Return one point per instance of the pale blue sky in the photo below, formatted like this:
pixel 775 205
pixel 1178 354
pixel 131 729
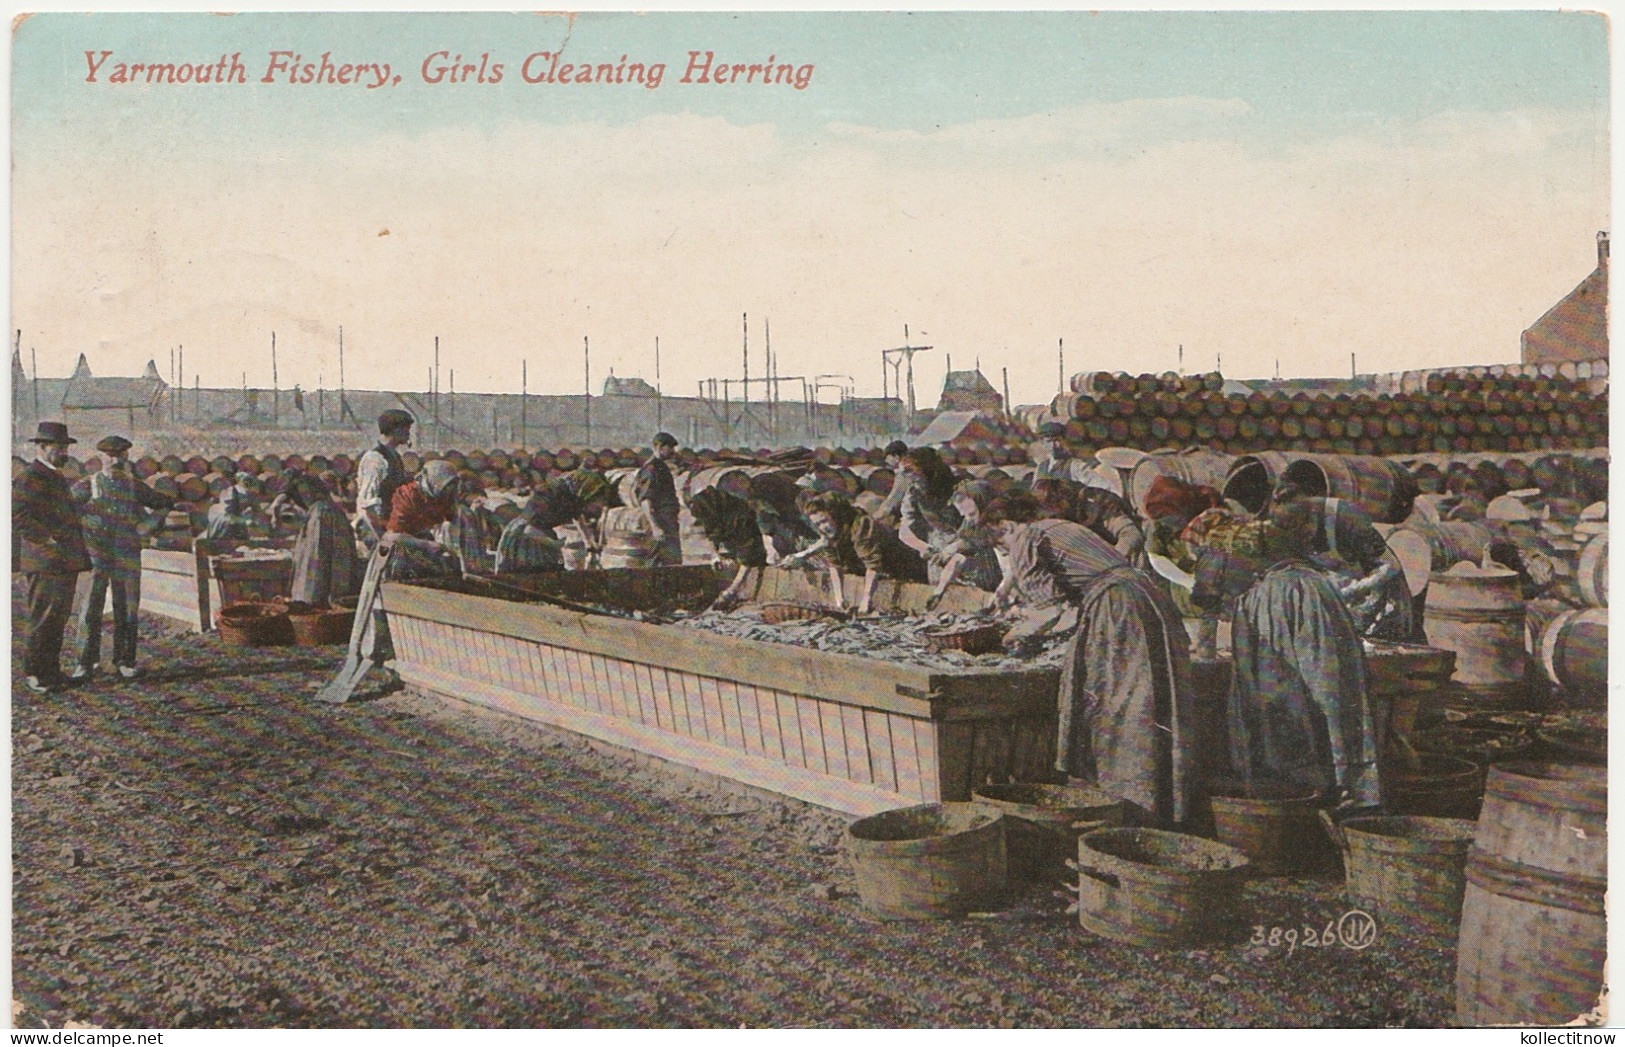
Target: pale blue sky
pixel 1303 75
pixel 1413 187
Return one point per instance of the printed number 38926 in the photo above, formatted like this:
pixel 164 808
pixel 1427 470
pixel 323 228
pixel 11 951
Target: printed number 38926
pixel 1354 930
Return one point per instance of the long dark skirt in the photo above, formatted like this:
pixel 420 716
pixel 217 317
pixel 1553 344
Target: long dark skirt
pixel 1126 717
pixel 1299 712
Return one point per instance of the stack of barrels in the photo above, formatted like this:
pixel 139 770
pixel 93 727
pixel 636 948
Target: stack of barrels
pixel 1467 415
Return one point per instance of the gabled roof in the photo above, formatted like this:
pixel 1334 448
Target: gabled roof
pixel 955 425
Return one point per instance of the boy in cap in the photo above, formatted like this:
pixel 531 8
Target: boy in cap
pixel 112 505
pixel 656 494
pixel 51 553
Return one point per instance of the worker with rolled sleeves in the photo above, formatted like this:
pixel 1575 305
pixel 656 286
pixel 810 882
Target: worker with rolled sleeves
pixel 380 473
pixel 113 506
pixel 50 553
pixel 656 494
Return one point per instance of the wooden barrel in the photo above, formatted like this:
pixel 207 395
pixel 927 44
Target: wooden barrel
pixel 192 488
pixel 1150 887
pixel 144 466
pixel 1408 871
pixel 733 479
pixel 166 485
pixel 626 541
pixel 1252 478
pixel 1043 822
pixel 1478 613
pixel 197 465
pixel 1434 785
pixel 1274 826
pixel 1592 572
pixel 931 861
pixel 171 465
pixel 1533 931
pixel 1382 488
pixel 1573 650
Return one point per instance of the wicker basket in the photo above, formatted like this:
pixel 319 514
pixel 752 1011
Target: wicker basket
pixel 973 639
pixel 254 624
pixel 321 626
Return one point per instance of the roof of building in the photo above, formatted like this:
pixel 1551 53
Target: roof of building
pixel 949 426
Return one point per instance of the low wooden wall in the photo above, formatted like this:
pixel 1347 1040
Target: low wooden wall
pixel 853 734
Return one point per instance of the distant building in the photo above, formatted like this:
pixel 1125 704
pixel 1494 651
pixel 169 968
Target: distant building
pixel 969 391
pixel 1575 329
pixel 103 406
pixel 628 387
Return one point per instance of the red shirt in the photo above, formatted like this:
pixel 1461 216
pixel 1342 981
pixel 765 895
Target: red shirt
pixel 415 513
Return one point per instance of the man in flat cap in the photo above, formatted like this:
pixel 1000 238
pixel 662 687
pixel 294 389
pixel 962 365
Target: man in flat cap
pixel 893 504
pixel 1059 465
pixel 380 473
pixel 656 494
pixel 51 553
pixel 112 505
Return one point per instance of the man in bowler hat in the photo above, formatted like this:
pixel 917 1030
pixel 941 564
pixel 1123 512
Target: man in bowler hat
pixel 51 552
pixel 112 504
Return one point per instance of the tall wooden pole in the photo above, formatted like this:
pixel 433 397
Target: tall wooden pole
pixel 434 392
pixel 180 379
pixel 33 363
pixel 659 417
pixel 275 387
pixel 524 421
pixel 586 364
pixel 1060 365
pixel 744 326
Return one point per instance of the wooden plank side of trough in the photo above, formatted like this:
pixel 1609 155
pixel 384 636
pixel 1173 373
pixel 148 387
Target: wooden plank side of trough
pixel 836 794
pixel 841 678
pixel 987 695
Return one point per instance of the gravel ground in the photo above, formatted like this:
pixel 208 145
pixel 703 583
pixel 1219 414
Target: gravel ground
pixel 209 847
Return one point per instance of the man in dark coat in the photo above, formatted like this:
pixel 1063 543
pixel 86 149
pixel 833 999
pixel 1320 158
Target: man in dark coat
pixel 656 494
pixel 51 553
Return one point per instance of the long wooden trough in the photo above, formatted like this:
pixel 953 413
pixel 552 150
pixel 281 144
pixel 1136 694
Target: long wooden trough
pixel 854 734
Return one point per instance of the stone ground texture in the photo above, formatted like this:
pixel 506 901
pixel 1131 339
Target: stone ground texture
pixel 208 847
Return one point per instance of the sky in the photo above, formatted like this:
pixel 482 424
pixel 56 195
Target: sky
pixel 1269 190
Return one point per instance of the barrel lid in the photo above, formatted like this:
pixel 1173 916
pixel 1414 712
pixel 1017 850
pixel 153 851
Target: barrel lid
pixel 1508 507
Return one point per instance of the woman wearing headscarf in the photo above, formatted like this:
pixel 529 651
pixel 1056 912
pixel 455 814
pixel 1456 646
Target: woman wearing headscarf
pixel 466 533
pixel 1299 712
pixel 930 523
pixel 578 497
pixel 1125 714
pixel 406 552
pixel 1367 577
pixel 325 565
pixel 851 541
pixel 526 545
pixel 730 524
pixel 229 515
pixel 1171 505
pixel 973 557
